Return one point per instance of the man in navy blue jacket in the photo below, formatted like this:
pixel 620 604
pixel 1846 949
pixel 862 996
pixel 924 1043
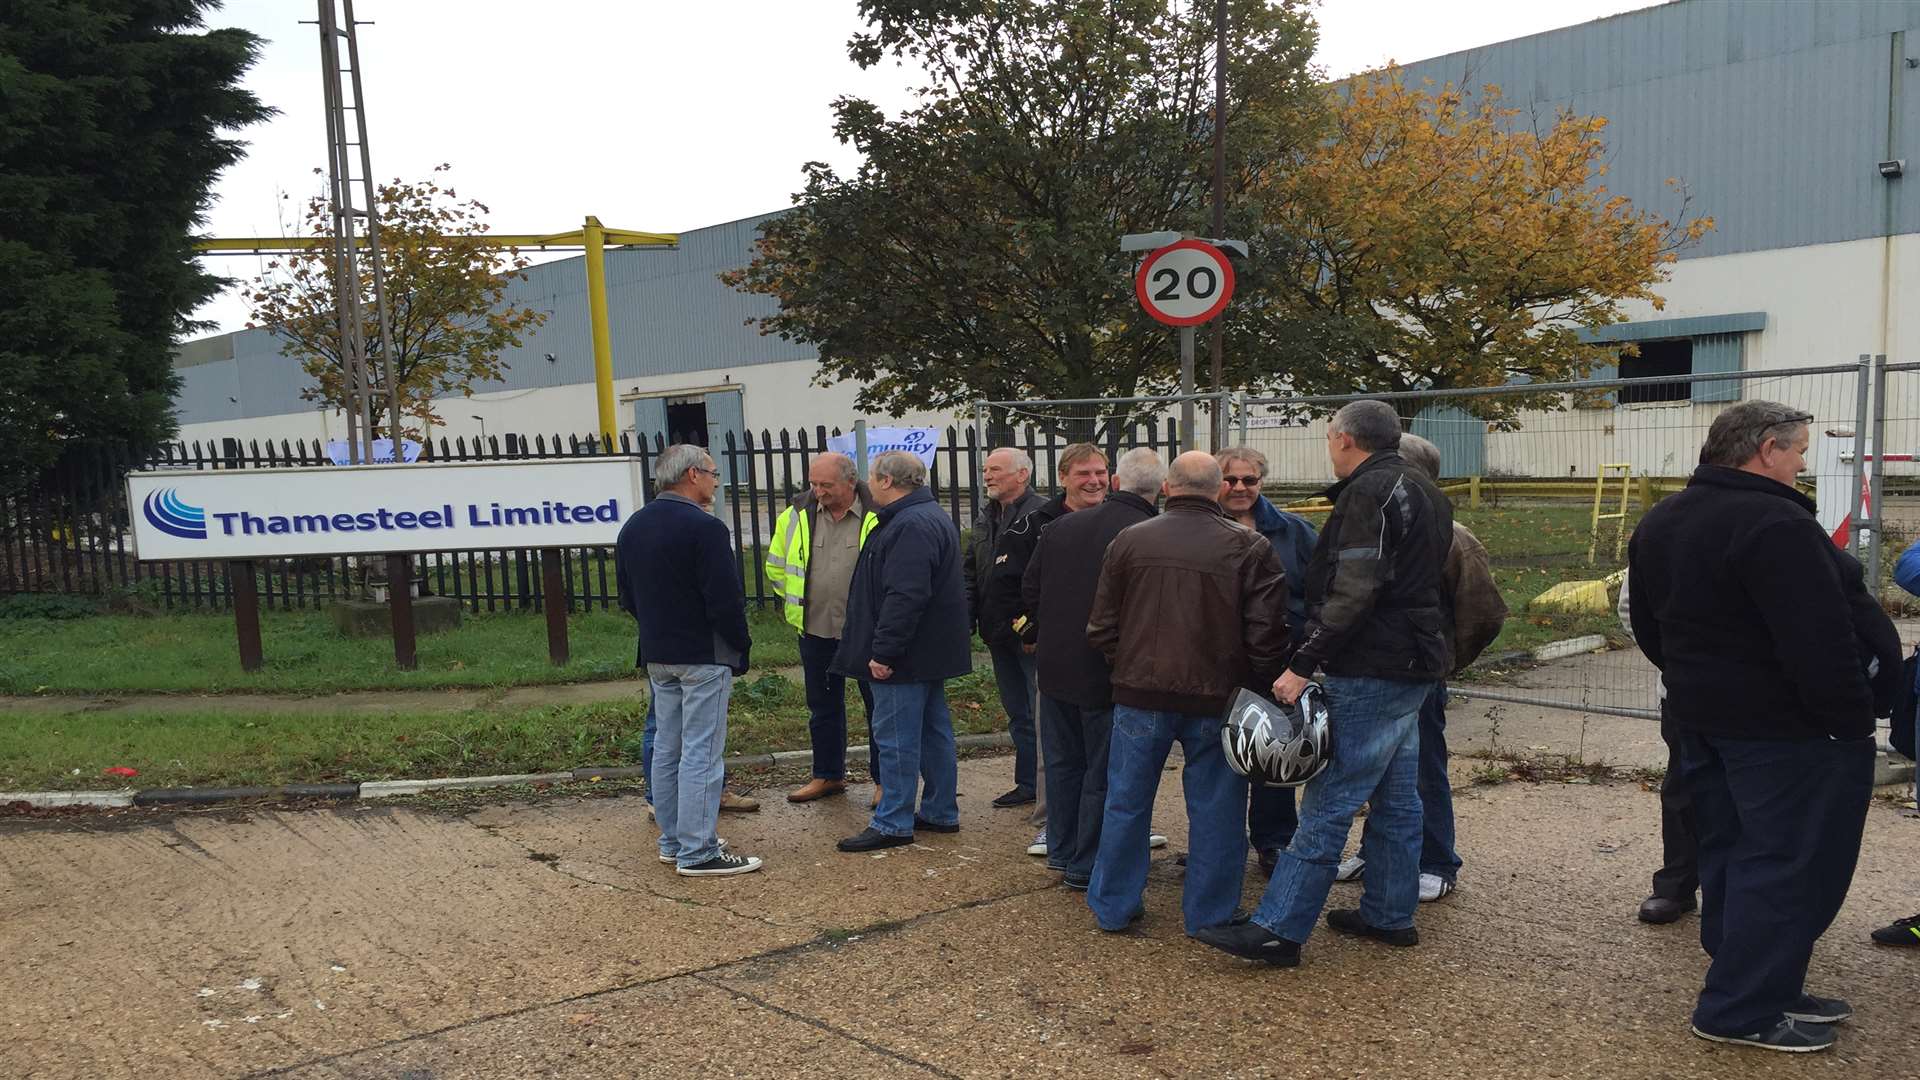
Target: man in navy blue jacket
pixel 907 632
pixel 675 561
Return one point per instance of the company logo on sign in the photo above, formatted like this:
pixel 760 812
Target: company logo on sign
pixel 167 513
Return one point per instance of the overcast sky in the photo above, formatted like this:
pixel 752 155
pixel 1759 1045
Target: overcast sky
pixel 651 115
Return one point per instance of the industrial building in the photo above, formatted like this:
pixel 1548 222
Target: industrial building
pixel 1793 125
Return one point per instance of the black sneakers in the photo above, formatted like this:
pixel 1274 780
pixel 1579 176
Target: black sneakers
pixel 1902 932
pixel 872 839
pixel 1019 796
pixel 1249 940
pixel 1348 921
pixel 1819 1010
pixel 1788 1036
pixel 721 865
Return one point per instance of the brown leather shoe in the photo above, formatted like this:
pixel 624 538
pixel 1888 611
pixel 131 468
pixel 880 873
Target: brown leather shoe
pixel 817 788
pixel 739 804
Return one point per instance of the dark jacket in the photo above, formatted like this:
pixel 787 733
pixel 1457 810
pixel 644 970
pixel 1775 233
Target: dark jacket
pixel 907 607
pixel 1293 539
pixel 1057 592
pixel 1190 608
pixel 987 528
pixel 1475 609
pixel 1740 602
pixel 1001 604
pixel 1373 587
pixel 676 573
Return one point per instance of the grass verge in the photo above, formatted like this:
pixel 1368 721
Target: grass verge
pixel 221 748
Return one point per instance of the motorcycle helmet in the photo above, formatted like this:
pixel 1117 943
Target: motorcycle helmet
pixel 1277 745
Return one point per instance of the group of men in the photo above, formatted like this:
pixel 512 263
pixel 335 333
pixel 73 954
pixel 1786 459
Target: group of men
pixel 1123 614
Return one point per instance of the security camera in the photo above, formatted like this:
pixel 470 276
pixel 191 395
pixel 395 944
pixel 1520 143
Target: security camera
pixel 551 359
pixel 1895 168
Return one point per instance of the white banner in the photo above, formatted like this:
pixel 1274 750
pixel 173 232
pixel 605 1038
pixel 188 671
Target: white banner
pixel 340 453
pixel 376 509
pixel 920 442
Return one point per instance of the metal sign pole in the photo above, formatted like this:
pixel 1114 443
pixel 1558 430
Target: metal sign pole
pixel 1186 387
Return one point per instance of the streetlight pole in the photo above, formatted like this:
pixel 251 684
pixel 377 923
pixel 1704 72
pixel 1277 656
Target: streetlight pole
pixel 483 426
pixel 1216 338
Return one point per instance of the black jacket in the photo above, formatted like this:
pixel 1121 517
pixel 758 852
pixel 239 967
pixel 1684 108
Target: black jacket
pixel 1001 605
pixel 992 521
pixel 907 607
pixel 1057 592
pixel 1740 602
pixel 1373 587
pixel 676 573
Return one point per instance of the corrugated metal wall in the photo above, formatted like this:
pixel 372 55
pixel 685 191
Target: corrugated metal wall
pixel 1773 113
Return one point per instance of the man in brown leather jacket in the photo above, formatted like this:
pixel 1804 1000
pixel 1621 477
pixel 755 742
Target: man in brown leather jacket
pixel 1190 607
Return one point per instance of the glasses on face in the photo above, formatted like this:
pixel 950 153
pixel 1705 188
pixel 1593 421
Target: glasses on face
pixel 715 473
pixel 1242 481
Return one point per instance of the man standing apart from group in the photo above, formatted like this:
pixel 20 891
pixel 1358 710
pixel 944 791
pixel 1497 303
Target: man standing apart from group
pixel 1738 599
pixel 1005 474
pixel 675 561
pixel 906 630
pixel 1076 691
pixel 1376 627
pixel 1271 815
pixel 1190 608
pixel 816 543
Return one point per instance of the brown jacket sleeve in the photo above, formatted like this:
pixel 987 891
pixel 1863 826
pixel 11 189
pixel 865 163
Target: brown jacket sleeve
pixel 1103 622
pixel 1478 608
pixel 1263 612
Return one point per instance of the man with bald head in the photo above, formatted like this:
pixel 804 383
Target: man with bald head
pixel 1190 607
pixel 816 543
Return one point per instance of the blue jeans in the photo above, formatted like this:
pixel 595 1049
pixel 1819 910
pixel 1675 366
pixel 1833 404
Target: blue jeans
pixel 1013 674
pixel 688 772
pixel 1376 747
pixel 1780 826
pixel 646 741
pixel 913 733
pixel 1216 840
pixel 1077 742
pixel 1437 855
pixel 827 709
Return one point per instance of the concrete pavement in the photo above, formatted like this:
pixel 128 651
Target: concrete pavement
pixel 544 939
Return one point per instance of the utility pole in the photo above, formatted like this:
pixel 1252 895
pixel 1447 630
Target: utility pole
pixel 1216 342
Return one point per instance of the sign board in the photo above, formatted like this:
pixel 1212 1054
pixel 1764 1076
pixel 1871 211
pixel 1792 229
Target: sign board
pixel 920 442
pixel 1184 284
pixel 380 509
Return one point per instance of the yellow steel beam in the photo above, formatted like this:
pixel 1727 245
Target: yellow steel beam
pixel 602 335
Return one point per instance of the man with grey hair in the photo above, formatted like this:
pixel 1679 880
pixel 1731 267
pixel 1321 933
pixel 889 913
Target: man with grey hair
pixel 906 632
pixel 678 576
pixel 1739 598
pixel 816 542
pixel 1006 474
pixel 1076 693
pixel 1375 626
pixel 1190 607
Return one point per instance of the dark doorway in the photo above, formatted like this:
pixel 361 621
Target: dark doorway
pixel 1671 357
pixel 687 420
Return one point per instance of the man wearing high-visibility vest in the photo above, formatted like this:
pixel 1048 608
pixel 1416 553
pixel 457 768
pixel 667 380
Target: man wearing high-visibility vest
pixel 816 542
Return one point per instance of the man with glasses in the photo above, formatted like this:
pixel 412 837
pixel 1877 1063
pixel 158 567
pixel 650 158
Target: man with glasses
pixel 1007 474
pixel 1271 814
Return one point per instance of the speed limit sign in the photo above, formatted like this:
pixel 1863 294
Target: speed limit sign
pixel 1185 283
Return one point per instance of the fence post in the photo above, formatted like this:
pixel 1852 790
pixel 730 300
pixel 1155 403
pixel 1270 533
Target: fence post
pixel 1473 491
pixel 555 586
pixel 1859 452
pixel 246 612
pixel 1877 513
pixel 1243 417
pixel 400 604
pixel 973 452
pixel 860 449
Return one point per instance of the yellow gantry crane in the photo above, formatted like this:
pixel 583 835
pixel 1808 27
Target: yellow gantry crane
pixel 593 238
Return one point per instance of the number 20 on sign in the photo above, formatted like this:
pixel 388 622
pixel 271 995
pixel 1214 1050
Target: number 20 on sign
pixel 1185 283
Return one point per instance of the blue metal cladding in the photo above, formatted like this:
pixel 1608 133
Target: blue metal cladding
pixel 1774 114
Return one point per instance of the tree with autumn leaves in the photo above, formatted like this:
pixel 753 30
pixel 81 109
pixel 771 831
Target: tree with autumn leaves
pixel 1432 240
pixel 1403 237
pixel 445 290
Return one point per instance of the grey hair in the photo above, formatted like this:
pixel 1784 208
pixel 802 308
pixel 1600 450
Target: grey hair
pixel 1242 453
pixel 1737 434
pixel 904 470
pixel 1020 458
pixel 1421 452
pixel 1201 476
pixel 670 468
pixel 1373 424
pixel 1141 472
pixel 848 474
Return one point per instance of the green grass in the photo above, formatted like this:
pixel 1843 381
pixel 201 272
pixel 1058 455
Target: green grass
pixel 196 653
pixel 1534 546
pixel 221 748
